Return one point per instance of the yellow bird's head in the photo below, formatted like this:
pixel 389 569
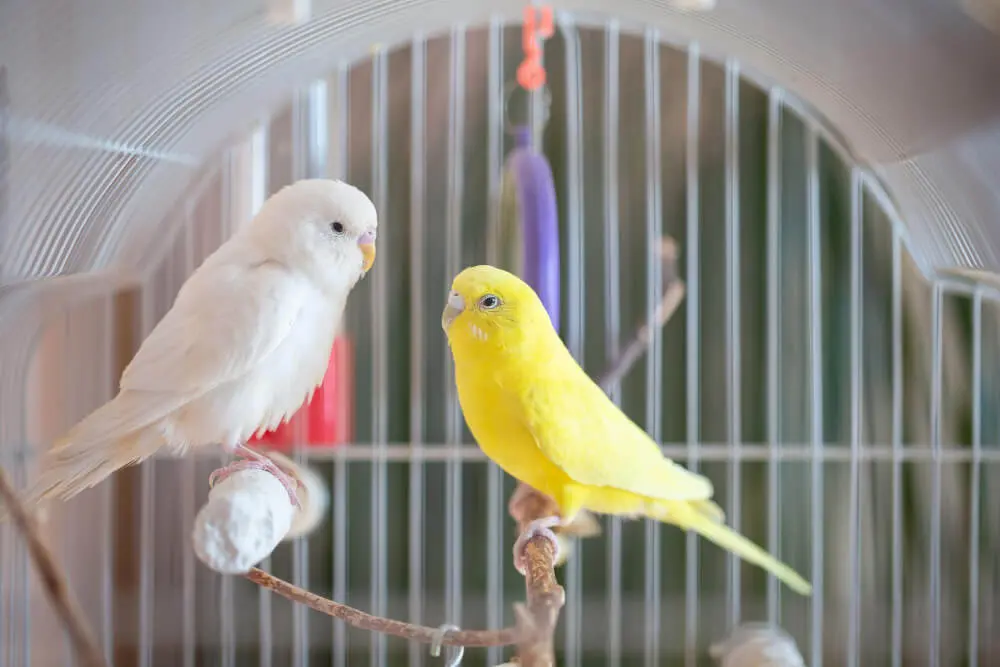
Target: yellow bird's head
pixel 491 308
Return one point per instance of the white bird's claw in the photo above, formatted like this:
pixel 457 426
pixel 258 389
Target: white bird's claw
pixel 263 463
pixel 541 527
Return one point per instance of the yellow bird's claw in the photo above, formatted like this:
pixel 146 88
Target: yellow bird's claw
pixel 542 527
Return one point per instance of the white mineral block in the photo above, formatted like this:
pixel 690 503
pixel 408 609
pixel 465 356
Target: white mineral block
pixel 246 516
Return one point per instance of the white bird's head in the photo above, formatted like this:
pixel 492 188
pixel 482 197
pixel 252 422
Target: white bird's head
pixel 325 228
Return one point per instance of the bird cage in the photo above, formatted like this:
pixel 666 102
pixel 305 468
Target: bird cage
pixel 825 368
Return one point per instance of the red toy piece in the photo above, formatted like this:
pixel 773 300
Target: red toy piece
pixel 327 419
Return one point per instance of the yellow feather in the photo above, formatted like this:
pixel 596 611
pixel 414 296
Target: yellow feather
pixel 537 415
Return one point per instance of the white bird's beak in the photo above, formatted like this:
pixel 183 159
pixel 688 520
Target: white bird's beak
pixel 367 244
pixel 452 309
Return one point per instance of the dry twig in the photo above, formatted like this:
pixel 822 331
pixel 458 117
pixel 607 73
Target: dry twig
pixel 53 581
pixel 673 292
pixel 363 621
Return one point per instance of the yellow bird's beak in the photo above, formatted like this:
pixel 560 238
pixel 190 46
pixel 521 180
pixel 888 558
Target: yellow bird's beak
pixel 452 309
pixel 367 244
pixel 368 252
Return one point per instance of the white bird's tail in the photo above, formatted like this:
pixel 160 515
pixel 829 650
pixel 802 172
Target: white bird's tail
pixel 88 454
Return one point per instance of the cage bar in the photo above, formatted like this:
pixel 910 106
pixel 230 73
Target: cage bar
pixel 189 479
pixel 733 392
pixel 975 490
pixel 814 236
pixel 453 260
pixel 854 511
pixel 693 332
pixel 341 164
pixel 575 286
pixel 896 639
pixel 654 369
pixel 774 175
pixel 418 189
pixel 934 564
pixel 495 502
pixel 612 312
pixel 380 370
pixel 227 630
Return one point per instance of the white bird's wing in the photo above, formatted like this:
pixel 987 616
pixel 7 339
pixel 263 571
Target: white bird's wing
pixel 224 322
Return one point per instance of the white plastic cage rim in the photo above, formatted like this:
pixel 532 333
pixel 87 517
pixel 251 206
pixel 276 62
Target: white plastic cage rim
pixel 942 229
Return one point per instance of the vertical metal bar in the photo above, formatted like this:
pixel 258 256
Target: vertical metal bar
pixel 733 393
pixel 188 472
pixel 107 536
pixel 21 552
pixel 339 165
pixel 418 187
pixel 693 333
pixel 816 391
pixel 495 515
pixel 854 511
pixel 74 373
pixel 380 362
pixel 147 514
pixel 310 146
pixel 934 576
pixel 612 315
pixel 299 169
pixel 897 450
pixel 453 415
pixel 575 290
pixel 318 119
pixel 227 630
pixel 975 491
pixel 774 108
pixel 257 193
pixel 654 369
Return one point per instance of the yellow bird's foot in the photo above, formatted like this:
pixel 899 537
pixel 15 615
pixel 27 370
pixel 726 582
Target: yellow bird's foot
pixel 541 527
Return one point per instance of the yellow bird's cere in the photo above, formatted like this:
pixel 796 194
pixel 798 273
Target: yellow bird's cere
pixel 540 417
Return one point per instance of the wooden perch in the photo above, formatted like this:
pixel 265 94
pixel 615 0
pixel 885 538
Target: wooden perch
pixel 359 619
pixel 536 619
pixel 54 583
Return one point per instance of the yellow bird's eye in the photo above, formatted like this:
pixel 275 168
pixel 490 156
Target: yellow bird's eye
pixel 489 302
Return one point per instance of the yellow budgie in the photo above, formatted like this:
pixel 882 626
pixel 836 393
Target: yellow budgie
pixel 538 415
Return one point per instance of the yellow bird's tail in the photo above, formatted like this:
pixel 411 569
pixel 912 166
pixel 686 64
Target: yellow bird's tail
pixel 705 518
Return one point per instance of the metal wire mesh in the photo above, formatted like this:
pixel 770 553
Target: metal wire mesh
pixel 833 392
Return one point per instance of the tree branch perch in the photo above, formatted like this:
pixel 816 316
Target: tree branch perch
pixel 363 621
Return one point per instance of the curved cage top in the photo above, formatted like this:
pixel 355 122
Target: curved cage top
pixel 110 107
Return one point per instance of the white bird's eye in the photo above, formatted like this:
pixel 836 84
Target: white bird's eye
pixel 489 302
pixel 337 227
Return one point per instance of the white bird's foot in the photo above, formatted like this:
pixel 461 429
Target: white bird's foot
pixel 541 527
pixel 257 461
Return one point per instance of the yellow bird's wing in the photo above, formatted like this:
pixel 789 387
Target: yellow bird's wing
pixel 579 429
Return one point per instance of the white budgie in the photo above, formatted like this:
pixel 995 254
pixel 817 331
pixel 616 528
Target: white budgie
pixel 245 344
